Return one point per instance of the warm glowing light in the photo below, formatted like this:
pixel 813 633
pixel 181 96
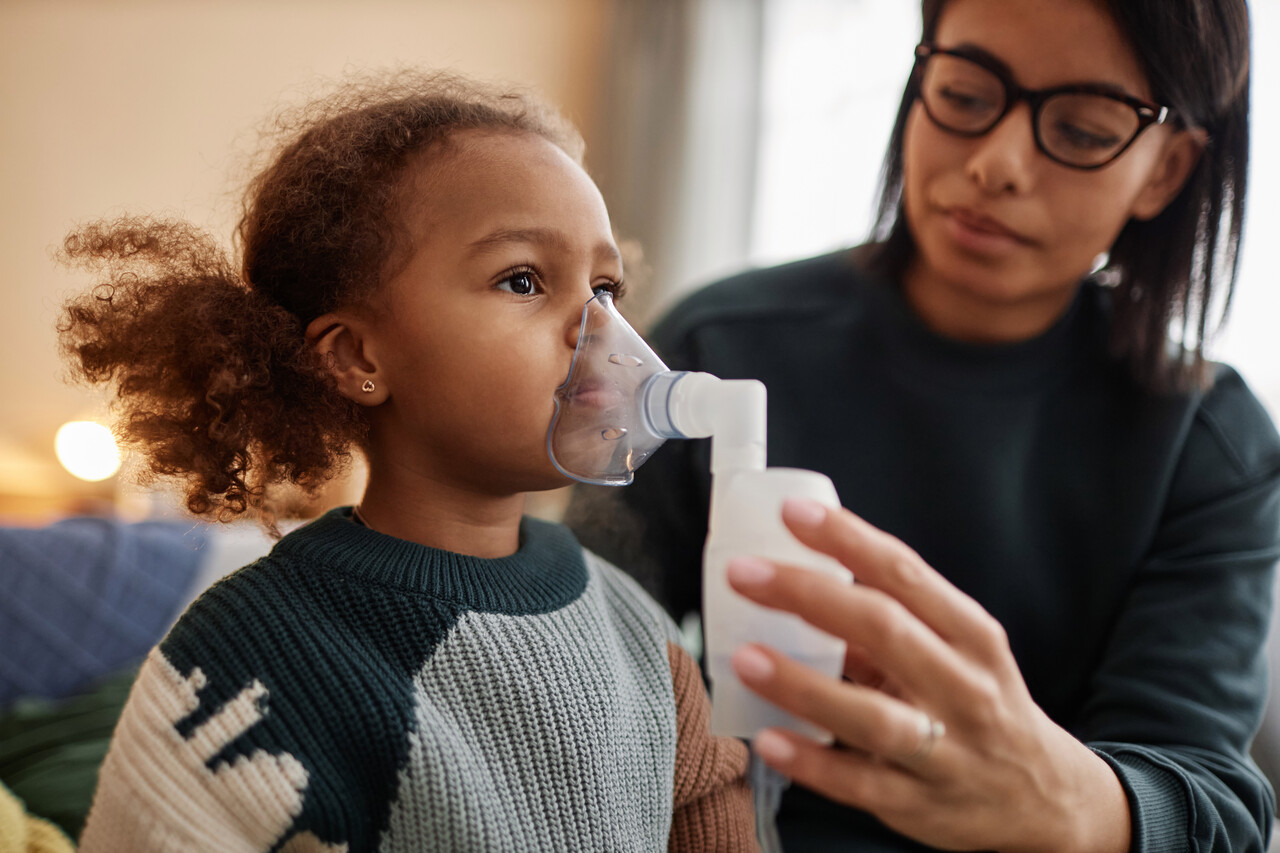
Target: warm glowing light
pixel 88 450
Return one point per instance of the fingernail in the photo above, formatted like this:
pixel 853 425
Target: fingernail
pixel 773 747
pixel 749 571
pixel 803 512
pixel 752 664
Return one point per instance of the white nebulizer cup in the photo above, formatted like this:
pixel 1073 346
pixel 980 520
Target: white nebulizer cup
pixel 746 520
pixel 617 406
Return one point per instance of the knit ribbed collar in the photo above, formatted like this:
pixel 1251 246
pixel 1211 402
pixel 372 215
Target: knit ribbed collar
pixel 546 573
pixel 920 354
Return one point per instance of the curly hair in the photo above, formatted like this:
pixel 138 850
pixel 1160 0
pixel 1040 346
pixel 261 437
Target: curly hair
pixel 214 380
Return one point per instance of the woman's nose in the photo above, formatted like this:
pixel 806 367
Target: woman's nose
pixel 1003 160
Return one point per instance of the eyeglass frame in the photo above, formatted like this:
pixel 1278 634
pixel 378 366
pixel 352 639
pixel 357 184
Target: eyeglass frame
pixel 1149 114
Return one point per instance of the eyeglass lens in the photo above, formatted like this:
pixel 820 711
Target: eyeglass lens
pixel 1075 128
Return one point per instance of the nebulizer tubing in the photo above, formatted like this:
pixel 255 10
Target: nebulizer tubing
pixel 618 404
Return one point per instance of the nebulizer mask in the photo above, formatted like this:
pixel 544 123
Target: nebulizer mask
pixel 602 430
pixel 617 406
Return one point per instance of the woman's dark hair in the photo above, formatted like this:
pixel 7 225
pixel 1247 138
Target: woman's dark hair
pixel 215 382
pixel 1179 267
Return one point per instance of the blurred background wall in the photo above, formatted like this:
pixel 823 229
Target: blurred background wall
pixel 722 132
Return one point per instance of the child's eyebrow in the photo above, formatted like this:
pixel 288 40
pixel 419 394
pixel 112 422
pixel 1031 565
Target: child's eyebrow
pixel 495 240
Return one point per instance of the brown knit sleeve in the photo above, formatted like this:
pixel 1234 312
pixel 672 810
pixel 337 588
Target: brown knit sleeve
pixel 712 801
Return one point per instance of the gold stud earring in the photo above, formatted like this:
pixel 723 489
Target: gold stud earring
pixel 368 386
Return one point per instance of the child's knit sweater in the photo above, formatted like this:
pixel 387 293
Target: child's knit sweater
pixel 353 692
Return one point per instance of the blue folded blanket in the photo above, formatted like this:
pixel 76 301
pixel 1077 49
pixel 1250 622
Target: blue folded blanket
pixel 83 597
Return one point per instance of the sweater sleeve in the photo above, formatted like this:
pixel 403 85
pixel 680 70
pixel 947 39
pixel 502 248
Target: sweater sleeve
pixel 1181 687
pixel 157 790
pixel 711 804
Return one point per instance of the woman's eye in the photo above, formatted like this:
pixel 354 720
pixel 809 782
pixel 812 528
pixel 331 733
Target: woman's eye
pixel 521 284
pixel 958 99
pixel 1077 137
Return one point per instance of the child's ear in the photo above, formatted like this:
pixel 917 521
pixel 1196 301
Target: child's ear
pixel 340 341
pixel 1181 154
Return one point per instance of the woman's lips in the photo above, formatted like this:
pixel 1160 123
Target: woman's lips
pixel 980 232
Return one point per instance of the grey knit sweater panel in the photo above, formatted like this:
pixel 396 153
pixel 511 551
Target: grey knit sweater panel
pixel 592 772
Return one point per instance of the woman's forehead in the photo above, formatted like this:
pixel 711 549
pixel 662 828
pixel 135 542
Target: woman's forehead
pixel 1046 42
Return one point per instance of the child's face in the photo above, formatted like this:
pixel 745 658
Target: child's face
pixel 509 238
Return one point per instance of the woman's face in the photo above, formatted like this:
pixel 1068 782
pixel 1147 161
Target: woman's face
pixel 1003 233
pixel 509 239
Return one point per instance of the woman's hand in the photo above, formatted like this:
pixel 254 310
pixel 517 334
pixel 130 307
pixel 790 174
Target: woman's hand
pixel 936 733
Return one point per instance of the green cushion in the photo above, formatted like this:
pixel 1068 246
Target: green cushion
pixel 50 751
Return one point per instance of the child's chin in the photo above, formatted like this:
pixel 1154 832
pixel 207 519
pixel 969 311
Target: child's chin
pixel 547 481
pixel 549 497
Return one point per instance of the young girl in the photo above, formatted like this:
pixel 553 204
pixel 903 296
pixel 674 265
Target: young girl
pixel 428 669
pixel 1069 655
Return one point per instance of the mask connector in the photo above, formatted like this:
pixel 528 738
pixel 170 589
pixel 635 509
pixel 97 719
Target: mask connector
pixel 620 403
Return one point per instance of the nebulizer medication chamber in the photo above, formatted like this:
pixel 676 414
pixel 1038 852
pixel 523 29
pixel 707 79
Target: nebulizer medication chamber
pixel 617 406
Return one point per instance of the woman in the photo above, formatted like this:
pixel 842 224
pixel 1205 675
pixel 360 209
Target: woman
pixel 1071 656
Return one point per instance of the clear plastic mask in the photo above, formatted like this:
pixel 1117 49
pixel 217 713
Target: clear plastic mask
pixel 601 432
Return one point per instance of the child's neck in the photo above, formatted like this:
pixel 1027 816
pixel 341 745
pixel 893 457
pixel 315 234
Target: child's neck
pixel 442 516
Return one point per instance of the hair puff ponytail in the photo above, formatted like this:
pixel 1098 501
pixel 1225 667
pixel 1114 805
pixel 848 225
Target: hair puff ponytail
pixel 216 385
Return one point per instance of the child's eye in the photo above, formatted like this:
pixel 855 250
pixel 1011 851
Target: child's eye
pixel 617 288
pixel 521 283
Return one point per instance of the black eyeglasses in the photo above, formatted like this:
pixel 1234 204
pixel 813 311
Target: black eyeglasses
pixel 1084 126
